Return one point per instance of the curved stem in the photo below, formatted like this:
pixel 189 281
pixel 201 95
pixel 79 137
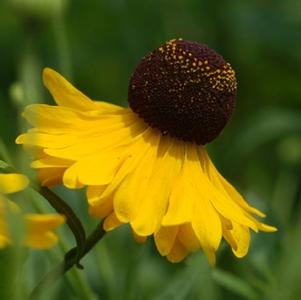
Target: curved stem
pixel 70 259
pixel 73 221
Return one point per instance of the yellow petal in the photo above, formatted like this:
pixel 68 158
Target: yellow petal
pixel 92 141
pixel 227 207
pixel 51 119
pixel 93 170
pixel 181 205
pixel 65 94
pixel 43 222
pixel 223 185
pixel 132 179
pixel 205 219
pixel 39 228
pixel 94 194
pixel 12 183
pixel 47 140
pixel 50 162
pixel 165 239
pixel 41 241
pixel 210 254
pixel 187 237
pixel 138 238
pixel 70 178
pixel 133 156
pixel 227 235
pixel 101 210
pixel 182 198
pixel 50 176
pixel 111 222
pixel 153 199
pixel 177 253
pixel 241 236
pixel 266 228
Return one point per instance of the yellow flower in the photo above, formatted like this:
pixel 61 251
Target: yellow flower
pixel 38 228
pixel 147 165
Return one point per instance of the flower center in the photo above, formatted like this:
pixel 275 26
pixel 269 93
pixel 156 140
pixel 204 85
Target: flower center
pixel 185 89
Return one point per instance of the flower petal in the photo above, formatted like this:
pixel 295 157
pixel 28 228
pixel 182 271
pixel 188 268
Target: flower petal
pixel 241 236
pixel 165 239
pixel 94 194
pixel 38 230
pixel 111 222
pixel 93 170
pixel 64 93
pixel 223 185
pixel 50 176
pixel 12 183
pixel 101 210
pixel 134 176
pixel 152 202
pixel 177 253
pixel 187 237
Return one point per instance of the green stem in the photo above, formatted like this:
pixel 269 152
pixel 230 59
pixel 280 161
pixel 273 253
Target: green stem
pixel 70 259
pixel 73 221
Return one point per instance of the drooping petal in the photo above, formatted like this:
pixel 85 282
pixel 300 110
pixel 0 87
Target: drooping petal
pixel 205 220
pixel 154 199
pixel 177 253
pixel 101 209
pixel 188 238
pixel 134 184
pixel 241 236
pixel 50 176
pixel 138 238
pixel 223 185
pixel 94 194
pixel 165 239
pixel 111 222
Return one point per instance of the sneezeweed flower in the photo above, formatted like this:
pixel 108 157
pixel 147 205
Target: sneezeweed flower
pixel 147 165
pixel 38 228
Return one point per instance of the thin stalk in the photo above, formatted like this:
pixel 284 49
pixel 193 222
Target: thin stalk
pixel 73 221
pixel 70 259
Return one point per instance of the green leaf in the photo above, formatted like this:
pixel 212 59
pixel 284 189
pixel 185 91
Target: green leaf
pixel 192 279
pixel 4 152
pixel 264 127
pixel 233 283
pixel 3 165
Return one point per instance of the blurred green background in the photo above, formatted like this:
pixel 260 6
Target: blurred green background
pixel 96 44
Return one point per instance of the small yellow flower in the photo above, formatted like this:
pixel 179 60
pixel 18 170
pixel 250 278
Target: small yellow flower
pixel 147 165
pixel 38 228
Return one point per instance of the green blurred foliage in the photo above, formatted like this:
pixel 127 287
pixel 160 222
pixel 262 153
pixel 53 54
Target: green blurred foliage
pixel 96 44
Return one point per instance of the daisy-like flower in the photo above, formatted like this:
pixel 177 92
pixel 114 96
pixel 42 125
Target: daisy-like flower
pixel 147 165
pixel 38 228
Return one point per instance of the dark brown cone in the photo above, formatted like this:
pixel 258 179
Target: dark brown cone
pixel 185 89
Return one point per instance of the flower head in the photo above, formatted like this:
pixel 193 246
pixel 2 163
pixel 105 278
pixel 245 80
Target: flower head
pixel 146 165
pixel 185 89
pixel 38 228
